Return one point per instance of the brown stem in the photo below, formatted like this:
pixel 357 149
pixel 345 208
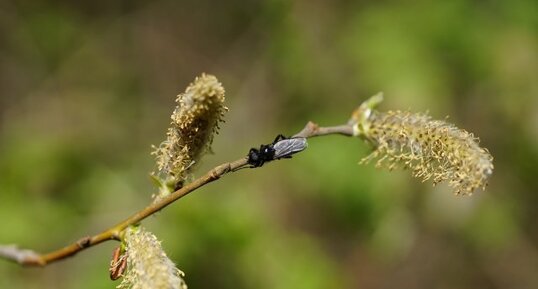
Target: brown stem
pixel 31 258
pixel 312 129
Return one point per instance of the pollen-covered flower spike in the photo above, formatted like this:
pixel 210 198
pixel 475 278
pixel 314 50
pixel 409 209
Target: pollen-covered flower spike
pixel 195 121
pixel 431 149
pixel 147 263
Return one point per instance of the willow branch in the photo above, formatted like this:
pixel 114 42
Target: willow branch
pixel 32 258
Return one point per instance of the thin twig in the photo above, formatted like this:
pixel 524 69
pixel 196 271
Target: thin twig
pixel 311 130
pixel 31 258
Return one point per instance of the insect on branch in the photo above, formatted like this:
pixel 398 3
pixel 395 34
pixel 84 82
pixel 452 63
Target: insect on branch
pixel 283 148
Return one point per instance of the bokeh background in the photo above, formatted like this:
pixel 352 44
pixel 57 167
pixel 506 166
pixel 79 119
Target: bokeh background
pixel 87 86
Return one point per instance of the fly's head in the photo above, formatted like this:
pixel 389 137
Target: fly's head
pixel 257 157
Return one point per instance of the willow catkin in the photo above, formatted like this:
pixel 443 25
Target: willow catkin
pixel 431 149
pixel 195 121
pixel 147 263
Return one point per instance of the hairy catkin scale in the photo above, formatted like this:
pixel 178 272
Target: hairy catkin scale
pixel 147 263
pixel 431 149
pixel 195 121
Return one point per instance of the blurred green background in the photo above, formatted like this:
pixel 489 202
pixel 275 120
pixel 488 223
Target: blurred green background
pixel 87 86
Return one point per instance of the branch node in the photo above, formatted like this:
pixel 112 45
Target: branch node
pixel 116 235
pixel 84 242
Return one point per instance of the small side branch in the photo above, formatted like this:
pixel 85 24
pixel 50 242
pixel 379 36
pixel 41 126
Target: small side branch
pixel 312 129
pixel 31 258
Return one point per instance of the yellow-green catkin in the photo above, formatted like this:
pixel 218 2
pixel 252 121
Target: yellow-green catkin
pixel 195 121
pixel 147 263
pixel 431 149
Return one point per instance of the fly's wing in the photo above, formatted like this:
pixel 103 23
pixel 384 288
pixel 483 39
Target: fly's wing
pixel 289 146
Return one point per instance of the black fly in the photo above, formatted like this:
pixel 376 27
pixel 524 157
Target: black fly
pixel 281 147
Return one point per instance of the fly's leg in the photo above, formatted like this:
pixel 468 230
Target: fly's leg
pixel 279 138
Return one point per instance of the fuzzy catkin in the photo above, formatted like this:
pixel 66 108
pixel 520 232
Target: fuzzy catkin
pixel 431 149
pixel 147 263
pixel 195 121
